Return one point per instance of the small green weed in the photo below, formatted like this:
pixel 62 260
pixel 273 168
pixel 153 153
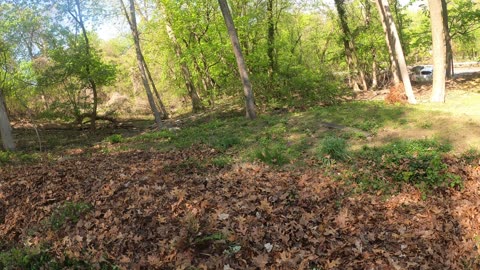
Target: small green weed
pixel 471 155
pixel 115 138
pixel 68 212
pixel 4 157
pixel 333 148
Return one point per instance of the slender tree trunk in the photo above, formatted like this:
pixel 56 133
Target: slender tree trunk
pixel 391 52
pixel 374 71
pixel 242 67
pixel 91 81
pixel 132 21
pixel 187 75
pixel 349 45
pixel 439 50
pixel 155 91
pixel 391 35
pixel 5 127
pixel 271 43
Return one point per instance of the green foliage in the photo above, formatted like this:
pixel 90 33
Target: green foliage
pixel 333 147
pixel 417 162
pixel 115 138
pixel 68 212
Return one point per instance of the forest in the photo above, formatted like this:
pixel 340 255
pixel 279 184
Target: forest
pixel 246 134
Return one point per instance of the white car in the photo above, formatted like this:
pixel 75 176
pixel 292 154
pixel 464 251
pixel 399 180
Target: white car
pixel 421 73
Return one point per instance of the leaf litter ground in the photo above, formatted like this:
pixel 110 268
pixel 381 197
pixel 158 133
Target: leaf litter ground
pixel 157 210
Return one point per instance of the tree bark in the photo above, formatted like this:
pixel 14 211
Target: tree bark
pixel 187 75
pixel 439 48
pixel 5 127
pixel 448 42
pixel 391 35
pixel 242 67
pixel 132 21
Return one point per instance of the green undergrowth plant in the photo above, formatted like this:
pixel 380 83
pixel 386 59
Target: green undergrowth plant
pixel 115 138
pixel 68 212
pixel 417 162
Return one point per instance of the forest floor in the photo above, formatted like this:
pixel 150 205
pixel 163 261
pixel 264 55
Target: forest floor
pixel 360 185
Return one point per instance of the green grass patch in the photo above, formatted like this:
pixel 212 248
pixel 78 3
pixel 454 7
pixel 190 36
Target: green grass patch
pixel 333 148
pixel 221 161
pixel 33 258
pixel 416 162
pixel 68 212
pixel 7 157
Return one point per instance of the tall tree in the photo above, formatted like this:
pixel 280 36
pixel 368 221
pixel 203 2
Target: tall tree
pixel 132 21
pixel 348 43
pixel 439 44
pixel 391 35
pixel 75 12
pixel 448 42
pixel 271 42
pixel 185 70
pixel 242 67
pixel 5 127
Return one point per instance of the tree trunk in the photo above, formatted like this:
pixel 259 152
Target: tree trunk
pixel 132 21
pixel 91 81
pixel 5 127
pixel 391 36
pixel 242 67
pixel 349 45
pixel 187 75
pixel 155 91
pixel 448 42
pixel 270 43
pixel 374 71
pixel 439 49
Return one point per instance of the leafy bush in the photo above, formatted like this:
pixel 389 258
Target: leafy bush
pixel 68 212
pixel 334 148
